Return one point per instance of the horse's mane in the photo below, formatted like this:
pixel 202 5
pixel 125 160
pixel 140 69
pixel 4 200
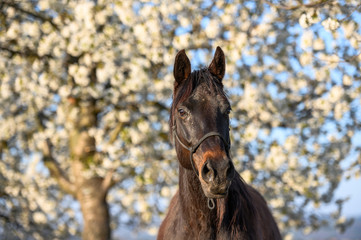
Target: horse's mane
pixel 237 212
pixel 183 91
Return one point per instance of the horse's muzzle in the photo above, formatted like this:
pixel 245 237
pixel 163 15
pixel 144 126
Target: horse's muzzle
pixel 216 177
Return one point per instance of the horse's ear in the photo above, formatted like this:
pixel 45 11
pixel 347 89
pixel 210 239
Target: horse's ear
pixel 182 68
pixel 218 64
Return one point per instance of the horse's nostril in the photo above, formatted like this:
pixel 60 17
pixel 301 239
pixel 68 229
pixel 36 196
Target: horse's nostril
pixel 207 172
pixel 205 169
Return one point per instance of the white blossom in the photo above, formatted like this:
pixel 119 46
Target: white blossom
pixel 212 29
pixel 340 109
pixel 30 29
pixel 318 44
pixel 291 143
pixel 306 58
pixel 287 81
pixel 306 39
pixel 39 217
pixel 309 18
pixel 330 24
pixel 250 133
pixel 346 80
pixel 13 31
pixel 336 93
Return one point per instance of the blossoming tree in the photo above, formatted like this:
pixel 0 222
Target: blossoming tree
pixel 85 90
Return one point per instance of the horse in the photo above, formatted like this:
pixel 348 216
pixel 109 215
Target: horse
pixel 213 201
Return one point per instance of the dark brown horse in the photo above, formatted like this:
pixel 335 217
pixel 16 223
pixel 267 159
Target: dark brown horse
pixel 213 201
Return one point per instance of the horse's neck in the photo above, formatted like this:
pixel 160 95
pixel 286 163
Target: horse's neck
pixel 203 222
pixel 192 199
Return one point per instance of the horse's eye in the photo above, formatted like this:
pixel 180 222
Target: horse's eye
pixel 228 111
pixel 182 112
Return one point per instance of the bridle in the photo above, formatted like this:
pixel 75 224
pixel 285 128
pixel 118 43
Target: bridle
pixel 193 149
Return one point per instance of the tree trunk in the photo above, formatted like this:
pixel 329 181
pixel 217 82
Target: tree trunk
pixel 95 210
pixel 90 191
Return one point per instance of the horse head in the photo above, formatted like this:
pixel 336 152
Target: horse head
pixel 200 123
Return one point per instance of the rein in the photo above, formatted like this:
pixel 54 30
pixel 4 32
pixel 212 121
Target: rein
pixel 194 148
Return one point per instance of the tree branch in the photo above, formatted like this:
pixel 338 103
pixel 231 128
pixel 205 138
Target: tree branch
pixel 55 170
pixel 295 7
pixel 36 15
pixel 27 52
pixel 108 181
pixel 11 220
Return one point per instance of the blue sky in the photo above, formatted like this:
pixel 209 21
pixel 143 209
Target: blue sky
pixel 351 188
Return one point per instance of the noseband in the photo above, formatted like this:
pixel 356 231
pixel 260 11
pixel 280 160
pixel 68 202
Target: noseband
pixel 194 148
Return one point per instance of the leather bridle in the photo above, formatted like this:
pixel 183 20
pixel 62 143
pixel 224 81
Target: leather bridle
pixel 194 148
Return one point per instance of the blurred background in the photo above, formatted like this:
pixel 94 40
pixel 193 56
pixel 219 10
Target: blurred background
pixel 85 91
